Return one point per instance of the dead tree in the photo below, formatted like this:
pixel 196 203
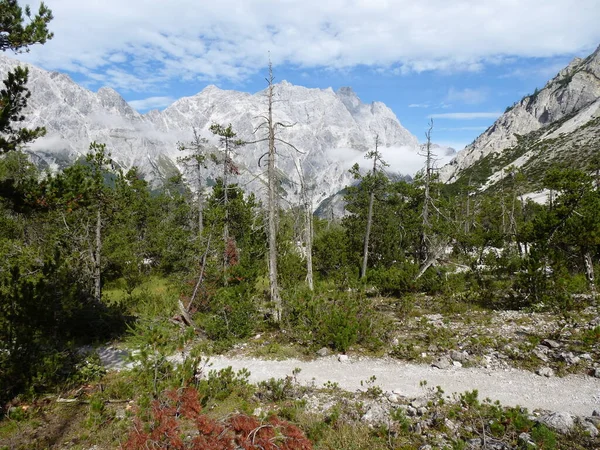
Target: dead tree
pixel 271 126
pixel 306 208
pixel 375 155
pixel 427 202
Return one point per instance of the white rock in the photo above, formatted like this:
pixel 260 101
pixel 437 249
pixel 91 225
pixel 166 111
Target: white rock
pixel 545 372
pixel 559 421
pixel 590 428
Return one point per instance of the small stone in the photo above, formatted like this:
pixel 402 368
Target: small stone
pixel 594 419
pixel 421 411
pixel 457 356
pixel 441 363
pixel 495 444
pixel 569 358
pixel 418 429
pixel 393 398
pixel 456 363
pixel 395 342
pixel 450 425
pixel 597 372
pixel 539 354
pixel 342 358
pixel 425 447
pixel 418 403
pixel 545 372
pixel 590 428
pixel 525 438
pixel 411 411
pixel 474 443
pixel 423 355
pixel 550 343
pixel 596 413
pixel 323 352
pixel 586 356
pixel 559 421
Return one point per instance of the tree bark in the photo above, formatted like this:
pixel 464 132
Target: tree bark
pixel 589 271
pixel 226 219
pixel 97 261
pixel 363 272
pixel 425 214
pixel 272 209
pixel 200 201
pixel 309 242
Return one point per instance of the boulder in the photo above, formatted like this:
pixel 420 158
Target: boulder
pixel 441 363
pixel 562 422
pixel 323 352
pixel 550 343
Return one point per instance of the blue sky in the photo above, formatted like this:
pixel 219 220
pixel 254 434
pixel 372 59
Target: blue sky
pixel 460 61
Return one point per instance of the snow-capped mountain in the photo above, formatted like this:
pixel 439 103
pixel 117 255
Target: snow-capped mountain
pixel 332 130
pixel 557 124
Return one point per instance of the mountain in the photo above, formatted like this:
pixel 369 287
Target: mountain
pixel 332 130
pixel 559 124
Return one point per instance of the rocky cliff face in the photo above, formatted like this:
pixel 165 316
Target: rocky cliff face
pixel 331 129
pixel 568 100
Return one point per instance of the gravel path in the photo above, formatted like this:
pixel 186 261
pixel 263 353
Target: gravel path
pixel 575 394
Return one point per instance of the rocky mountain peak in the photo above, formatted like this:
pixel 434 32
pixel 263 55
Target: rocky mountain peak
pixel 349 99
pixel 333 130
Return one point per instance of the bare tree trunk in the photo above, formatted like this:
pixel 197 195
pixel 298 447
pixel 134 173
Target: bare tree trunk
pixel 226 206
pixel 97 261
pixel 589 271
pixel 306 201
pixel 309 243
pixel 200 202
pixel 363 272
pixel 272 208
pixel 427 200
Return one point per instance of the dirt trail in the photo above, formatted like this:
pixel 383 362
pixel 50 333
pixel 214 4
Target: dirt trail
pixel 576 394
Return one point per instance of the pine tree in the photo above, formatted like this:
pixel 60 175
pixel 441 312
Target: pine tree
pixel 17 35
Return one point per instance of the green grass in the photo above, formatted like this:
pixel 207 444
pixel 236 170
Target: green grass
pixel 154 297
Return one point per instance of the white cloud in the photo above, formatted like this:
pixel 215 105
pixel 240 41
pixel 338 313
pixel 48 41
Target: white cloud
pixel 418 105
pixel 468 96
pixel 462 129
pixel 153 40
pixel 145 104
pixel 466 116
pixel 404 160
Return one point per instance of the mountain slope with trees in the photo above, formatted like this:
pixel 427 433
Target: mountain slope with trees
pixel 558 124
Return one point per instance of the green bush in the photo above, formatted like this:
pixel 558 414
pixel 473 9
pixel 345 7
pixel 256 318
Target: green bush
pixel 334 319
pixel 219 385
pixel 396 280
pixel 232 314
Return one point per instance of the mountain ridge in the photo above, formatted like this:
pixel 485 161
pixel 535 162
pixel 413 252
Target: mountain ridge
pixel 573 91
pixel 333 129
